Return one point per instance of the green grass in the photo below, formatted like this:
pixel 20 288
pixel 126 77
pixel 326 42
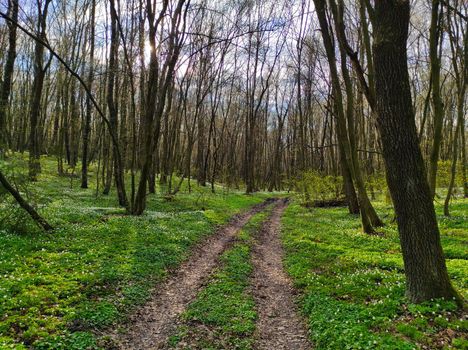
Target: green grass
pixel 353 284
pixel 56 289
pixel 223 314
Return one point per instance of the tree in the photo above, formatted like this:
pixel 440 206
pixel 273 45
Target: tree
pixel 118 168
pixel 369 217
pixel 157 91
pixel 40 70
pixel 8 74
pixel 89 106
pixel 435 38
pixel 4 100
pixel 425 269
pixel 460 69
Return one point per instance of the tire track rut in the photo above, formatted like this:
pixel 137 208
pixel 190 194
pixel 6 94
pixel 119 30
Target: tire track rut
pixel 279 325
pixel 151 325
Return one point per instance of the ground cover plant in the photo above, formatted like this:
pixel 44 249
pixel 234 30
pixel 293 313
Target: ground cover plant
pixel 223 315
pixel 126 125
pixel 98 264
pixel 353 284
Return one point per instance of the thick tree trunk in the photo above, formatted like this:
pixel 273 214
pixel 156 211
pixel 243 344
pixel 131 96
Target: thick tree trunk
pixel 426 272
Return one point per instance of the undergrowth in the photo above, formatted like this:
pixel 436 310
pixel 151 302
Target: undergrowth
pixel 223 314
pixel 353 284
pixel 57 289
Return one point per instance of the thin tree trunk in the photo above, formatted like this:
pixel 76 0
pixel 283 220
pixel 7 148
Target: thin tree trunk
pixel 453 167
pixel 461 75
pixel 438 105
pixel 465 181
pixel 113 109
pixel 368 215
pixel 8 74
pixel 24 204
pixel 364 202
pixel 89 106
pixel 36 93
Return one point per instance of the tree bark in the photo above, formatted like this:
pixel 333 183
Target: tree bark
pixel 36 93
pixel 461 78
pixel 89 106
pixel 368 216
pixel 8 74
pixel 437 103
pixel 425 269
pixel 113 108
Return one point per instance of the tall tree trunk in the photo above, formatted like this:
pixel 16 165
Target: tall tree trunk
pixel 89 106
pixel 350 192
pixel 368 216
pixel 8 74
pixel 36 93
pixel 365 204
pixel 156 94
pixel 434 37
pixel 201 149
pixel 464 179
pixel 453 167
pixel 461 77
pixel 425 269
pixel 113 109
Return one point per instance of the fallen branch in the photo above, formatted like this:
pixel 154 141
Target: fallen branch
pixel 330 203
pixel 24 204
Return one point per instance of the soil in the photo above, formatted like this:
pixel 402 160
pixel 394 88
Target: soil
pixel 279 325
pixel 151 325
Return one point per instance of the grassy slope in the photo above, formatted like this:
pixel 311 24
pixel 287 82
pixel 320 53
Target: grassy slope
pixel 98 264
pixel 353 284
pixel 223 314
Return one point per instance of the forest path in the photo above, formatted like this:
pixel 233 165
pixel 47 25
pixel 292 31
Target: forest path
pixel 152 324
pixel 279 325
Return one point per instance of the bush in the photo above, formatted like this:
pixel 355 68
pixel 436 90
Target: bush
pixel 444 173
pixel 376 184
pixel 311 185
